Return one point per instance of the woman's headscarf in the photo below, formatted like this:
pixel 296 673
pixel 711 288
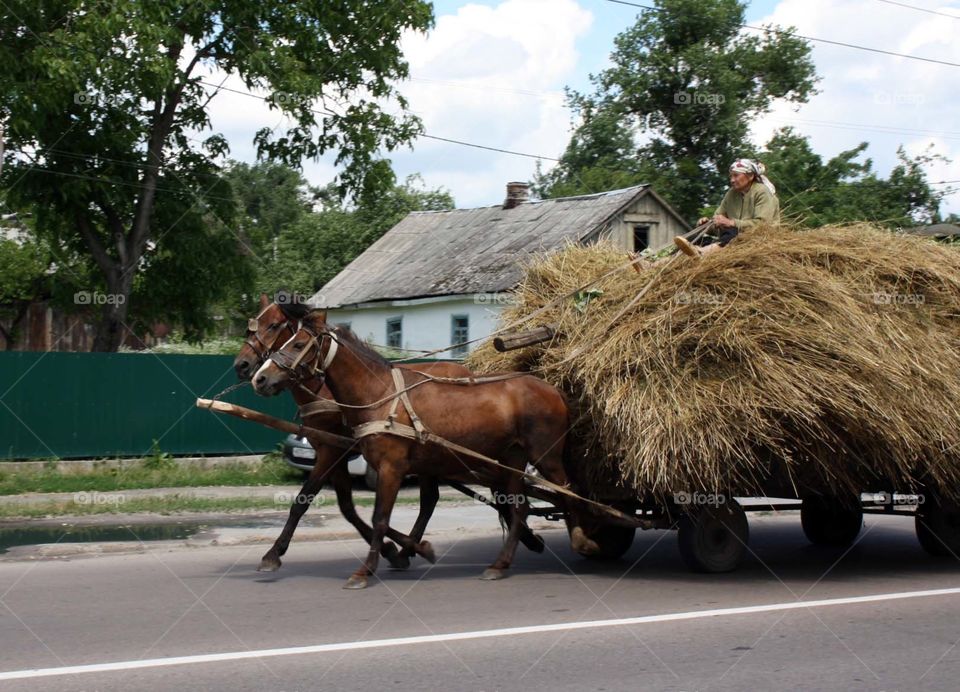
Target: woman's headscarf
pixel 755 168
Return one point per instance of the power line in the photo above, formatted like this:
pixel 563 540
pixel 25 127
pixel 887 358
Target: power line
pixel 770 30
pixel 518 153
pixel 424 135
pixel 919 9
pixel 881 129
pixel 139 186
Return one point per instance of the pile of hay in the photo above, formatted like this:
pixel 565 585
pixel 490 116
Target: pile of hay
pixel 827 356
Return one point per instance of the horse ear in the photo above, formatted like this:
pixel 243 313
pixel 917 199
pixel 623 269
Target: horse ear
pixel 264 301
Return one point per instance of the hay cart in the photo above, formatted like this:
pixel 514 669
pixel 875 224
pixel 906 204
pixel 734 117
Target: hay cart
pixel 712 527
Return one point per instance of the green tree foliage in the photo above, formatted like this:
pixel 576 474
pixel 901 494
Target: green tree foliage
pixel 846 188
pixel 102 102
pixel 271 196
pixel 684 85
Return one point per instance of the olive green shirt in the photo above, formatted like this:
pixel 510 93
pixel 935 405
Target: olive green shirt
pixel 750 208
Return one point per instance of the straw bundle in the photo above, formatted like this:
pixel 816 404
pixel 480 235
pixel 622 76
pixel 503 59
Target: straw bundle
pixel 825 358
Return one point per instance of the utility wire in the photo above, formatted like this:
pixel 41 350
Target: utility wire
pixel 771 30
pixel 919 9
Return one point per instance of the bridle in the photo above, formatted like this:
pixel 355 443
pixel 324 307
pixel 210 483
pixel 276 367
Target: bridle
pixel 265 348
pixel 305 366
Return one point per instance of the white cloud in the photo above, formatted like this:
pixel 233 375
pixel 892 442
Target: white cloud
pixel 492 76
pixel 485 75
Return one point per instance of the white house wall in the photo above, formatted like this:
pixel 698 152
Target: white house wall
pixel 426 322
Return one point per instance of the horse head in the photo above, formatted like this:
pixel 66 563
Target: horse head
pixel 304 355
pixel 274 324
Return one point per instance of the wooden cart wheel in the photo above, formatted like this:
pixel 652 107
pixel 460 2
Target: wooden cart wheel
pixel 828 521
pixel 938 526
pixel 613 540
pixel 713 538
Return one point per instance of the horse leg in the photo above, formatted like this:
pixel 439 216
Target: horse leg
pixel 327 461
pixel 343 485
pixel 429 496
pixel 516 501
pixel 550 464
pixel 389 479
pixel 530 539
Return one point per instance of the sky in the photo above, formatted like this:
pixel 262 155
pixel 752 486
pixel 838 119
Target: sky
pixel 493 73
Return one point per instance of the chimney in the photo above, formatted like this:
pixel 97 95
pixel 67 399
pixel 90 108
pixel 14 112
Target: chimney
pixel 517 193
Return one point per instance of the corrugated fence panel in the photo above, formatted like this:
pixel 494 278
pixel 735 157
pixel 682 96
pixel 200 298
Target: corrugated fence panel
pixel 104 404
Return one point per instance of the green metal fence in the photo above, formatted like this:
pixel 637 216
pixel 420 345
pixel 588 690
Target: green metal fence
pixel 116 404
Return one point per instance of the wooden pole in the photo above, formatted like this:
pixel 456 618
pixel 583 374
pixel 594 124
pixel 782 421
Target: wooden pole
pixel 277 423
pixel 514 340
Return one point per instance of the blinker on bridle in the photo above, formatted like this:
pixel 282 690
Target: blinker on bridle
pixel 300 367
pixel 253 325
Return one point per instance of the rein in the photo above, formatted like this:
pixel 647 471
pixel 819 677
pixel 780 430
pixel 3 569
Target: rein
pixel 304 366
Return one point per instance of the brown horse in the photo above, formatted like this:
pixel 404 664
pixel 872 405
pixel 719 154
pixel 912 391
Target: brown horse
pixel 517 421
pixel 274 325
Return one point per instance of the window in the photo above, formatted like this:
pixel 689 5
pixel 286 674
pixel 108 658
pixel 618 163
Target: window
pixel 459 332
pixel 395 332
pixel 641 238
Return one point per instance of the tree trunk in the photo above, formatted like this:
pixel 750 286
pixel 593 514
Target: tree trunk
pixel 110 331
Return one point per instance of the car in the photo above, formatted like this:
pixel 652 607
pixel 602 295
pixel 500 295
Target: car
pixel 298 453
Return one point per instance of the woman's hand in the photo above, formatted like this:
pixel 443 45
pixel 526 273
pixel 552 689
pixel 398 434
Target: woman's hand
pixel 724 222
pixel 702 220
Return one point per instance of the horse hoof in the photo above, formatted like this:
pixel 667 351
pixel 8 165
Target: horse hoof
pixel 581 544
pixel 426 552
pixel 269 564
pixel 493 574
pixel 536 543
pixel 354 583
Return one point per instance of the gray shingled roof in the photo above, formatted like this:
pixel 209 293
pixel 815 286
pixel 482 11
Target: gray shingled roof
pixel 466 251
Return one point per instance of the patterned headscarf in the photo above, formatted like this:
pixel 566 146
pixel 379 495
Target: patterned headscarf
pixel 755 168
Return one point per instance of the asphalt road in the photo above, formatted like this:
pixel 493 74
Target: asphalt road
pixel 439 627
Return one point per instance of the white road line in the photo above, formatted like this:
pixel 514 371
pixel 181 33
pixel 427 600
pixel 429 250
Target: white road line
pixel 460 636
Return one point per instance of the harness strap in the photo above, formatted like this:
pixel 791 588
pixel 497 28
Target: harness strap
pixel 331 352
pixel 318 406
pixel 404 398
pixel 400 430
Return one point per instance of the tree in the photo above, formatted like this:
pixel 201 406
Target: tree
pixel 601 155
pixel 314 249
pixel 814 192
pixel 270 196
pixel 23 279
pixel 685 83
pixel 101 101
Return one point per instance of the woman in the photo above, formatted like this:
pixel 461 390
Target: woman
pixel 751 199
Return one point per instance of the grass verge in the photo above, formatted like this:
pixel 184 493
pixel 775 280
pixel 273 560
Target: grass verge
pixel 161 471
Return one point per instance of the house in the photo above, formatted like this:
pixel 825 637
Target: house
pixel 440 278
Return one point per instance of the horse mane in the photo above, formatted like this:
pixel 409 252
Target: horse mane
pixel 361 347
pixel 290 308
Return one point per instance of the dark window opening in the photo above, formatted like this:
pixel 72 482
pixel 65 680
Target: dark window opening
pixel 395 332
pixel 459 333
pixel 641 238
